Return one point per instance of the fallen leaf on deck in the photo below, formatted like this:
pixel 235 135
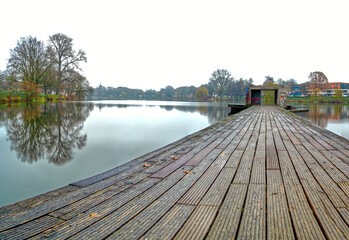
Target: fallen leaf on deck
pixel 173 157
pixel 146 165
pixel 188 172
pixel 93 215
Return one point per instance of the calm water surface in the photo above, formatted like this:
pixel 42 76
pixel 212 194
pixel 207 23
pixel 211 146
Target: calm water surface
pixel 334 117
pixel 49 146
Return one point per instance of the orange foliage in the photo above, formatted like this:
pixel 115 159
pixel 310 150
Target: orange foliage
pixel 30 87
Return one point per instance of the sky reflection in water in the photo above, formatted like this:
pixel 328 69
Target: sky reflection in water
pixel 46 147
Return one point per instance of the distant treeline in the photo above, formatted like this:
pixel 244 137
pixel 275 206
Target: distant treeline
pixel 124 93
pixel 221 87
pixel 186 93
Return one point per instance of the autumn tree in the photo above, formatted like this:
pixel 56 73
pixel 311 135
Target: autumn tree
pixel 63 57
pixel 31 89
pixel 318 80
pixel 316 92
pixel 338 93
pixel 201 94
pixel 28 62
pixel 220 80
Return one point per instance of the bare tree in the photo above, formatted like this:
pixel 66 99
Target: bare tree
pixel 290 83
pixel 318 80
pixel 268 81
pixel 28 61
pixel 3 84
pixel 78 85
pixel 64 57
pixel 220 80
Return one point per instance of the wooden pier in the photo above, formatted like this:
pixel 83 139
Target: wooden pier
pixel 260 174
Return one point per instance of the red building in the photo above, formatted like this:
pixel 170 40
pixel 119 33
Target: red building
pixel 333 86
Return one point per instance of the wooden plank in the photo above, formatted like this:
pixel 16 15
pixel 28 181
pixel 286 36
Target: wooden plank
pixel 304 221
pixel 169 225
pixel 225 138
pixel 25 205
pixel 279 224
pixel 344 212
pixel 341 156
pixel 292 137
pixel 261 143
pixel 195 155
pixel 335 194
pixel 258 168
pixel 326 145
pixel 170 168
pixel 319 133
pixel 244 170
pixel 47 207
pixel 127 212
pixel 234 159
pixel 227 221
pixel 277 138
pixel 282 132
pixel 272 159
pixel 216 193
pixel 198 224
pixel 117 209
pixel 330 137
pixel 31 228
pixel 253 222
pixel 331 170
pixel 329 218
pixel 141 223
pixel 228 139
pixel 344 186
pixel 202 154
pixel 197 191
pixel 244 141
pixel 85 204
pixel 344 168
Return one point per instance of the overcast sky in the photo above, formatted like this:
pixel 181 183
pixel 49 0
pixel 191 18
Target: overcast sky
pixel 152 44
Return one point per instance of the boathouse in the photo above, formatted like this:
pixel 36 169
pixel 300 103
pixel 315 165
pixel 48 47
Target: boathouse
pixel 266 95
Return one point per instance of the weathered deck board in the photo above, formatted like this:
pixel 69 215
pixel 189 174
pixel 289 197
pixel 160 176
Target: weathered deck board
pixel 169 225
pixel 303 219
pixel 253 222
pixel 279 224
pixel 262 174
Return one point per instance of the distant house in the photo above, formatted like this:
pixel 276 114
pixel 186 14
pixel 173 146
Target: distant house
pixel 333 86
pixel 304 89
pixel 299 90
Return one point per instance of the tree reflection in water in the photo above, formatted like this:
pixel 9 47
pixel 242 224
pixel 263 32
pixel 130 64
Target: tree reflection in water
pixel 321 114
pixel 213 113
pixel 48 131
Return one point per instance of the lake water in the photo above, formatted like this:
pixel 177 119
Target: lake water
pixel 45 147
pixel 334 117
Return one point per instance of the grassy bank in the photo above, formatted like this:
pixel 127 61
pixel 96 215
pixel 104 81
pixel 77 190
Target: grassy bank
pixel 317 100
pixel 8 97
